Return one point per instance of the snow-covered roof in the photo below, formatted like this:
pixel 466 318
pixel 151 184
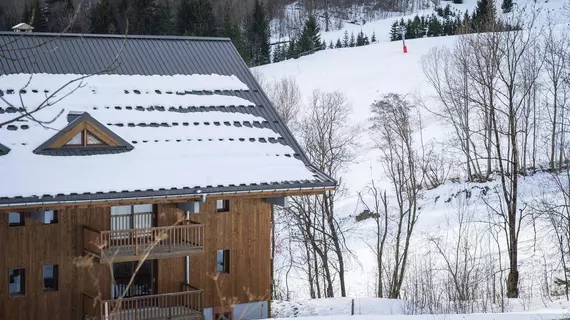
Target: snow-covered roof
pixel 22 26
pixel 183 116
pixel 178 141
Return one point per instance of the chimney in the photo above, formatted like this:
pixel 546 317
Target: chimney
pixel 72 115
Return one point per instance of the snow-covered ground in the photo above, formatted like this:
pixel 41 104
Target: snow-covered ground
pixel 384 309
pixel 364 74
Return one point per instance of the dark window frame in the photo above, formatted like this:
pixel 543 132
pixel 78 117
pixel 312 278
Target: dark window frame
pixel 22 222
pixel 55 286
pixel 22 275
pixel 225 205
pixel 225 263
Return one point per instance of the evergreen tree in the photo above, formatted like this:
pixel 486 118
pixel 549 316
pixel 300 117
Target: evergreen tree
pixel 143 17
pixel 507 6
pixel 232 29
pixel 338 43
pixel 416 28
pixel 352 40
pixel 345 39
pixel 373 40
pixel 202 20
pixel 167 25
pixel 310 37
pixel 292 52
pixel 183 25
pixel 258 35
pixel 484 15
pixel 366 41
pixel 101 17
pixel 409 33
pixel 331 45
pixel 394 32
pixel 435 28
pixel 284 51
pixel 277 53
pixel 360 39
pixel 27 15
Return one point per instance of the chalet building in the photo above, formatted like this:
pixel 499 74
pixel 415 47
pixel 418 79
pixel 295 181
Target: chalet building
pixel 138 179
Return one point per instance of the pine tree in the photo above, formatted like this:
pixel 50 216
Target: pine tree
pixel 284 51
pixel 143 17
pixel 101 17
pixel 292 52
pixel 27 15
pixel 338 43
pixel 366 41
pixel 484 15
pixel 196 18
pixel 331 45
pixel 373 40
pixel 360 39
pixel 310 37
pixel 409 33
pixel 166 18
pixel 183 25
pixel 258 35
pixel 352 40
pixel 277 53
pixel 507 6
pixel 345 39
pixel 394 32
pixel 232 29
pixel 434 27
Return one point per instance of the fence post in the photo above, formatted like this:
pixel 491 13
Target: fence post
pixel 352 308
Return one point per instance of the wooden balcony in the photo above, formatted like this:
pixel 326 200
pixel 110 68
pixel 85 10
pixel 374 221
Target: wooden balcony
pixel 114 246
pixel 186 304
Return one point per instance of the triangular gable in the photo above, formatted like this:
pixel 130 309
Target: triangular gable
pixel 3 150
pixel 84 136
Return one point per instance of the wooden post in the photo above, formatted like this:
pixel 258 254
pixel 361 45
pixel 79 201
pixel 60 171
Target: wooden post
pixel 352 307
pixel 136 243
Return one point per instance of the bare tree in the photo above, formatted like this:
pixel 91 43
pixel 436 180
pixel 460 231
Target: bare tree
pixel 392 125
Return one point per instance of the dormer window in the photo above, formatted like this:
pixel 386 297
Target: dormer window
pixel 85 138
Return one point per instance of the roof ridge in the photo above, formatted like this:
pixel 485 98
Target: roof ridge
pixel 113 36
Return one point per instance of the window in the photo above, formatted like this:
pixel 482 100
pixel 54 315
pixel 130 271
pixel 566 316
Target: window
pixel 223 261
pixel 139 216
pixel 50 278
pixel 85 138
pixel 49 217
pixel 15 219
pixel 222 205
pixel 17 282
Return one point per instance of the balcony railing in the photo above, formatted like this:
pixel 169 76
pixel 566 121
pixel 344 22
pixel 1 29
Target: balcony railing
pixel 186 304
pixel 153 243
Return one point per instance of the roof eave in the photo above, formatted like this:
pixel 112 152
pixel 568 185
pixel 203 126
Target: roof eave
pixel 291 191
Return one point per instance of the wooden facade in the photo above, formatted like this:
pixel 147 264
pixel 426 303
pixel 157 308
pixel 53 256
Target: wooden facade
pixel 244 230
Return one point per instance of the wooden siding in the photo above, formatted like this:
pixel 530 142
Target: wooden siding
pixel 244 230
pixel 35 245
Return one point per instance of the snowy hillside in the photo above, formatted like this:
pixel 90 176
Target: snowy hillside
pixel 384 309
pixel 366 73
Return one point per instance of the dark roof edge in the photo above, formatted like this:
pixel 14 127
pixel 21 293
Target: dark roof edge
pixel 163 194
pixel 4 150
pixel 119 36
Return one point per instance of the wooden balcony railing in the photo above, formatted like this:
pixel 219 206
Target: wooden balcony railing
pixel 133 244
pixel 186 304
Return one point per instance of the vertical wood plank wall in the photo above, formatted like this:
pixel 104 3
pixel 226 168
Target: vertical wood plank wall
pixel 35 245
pixel 244 230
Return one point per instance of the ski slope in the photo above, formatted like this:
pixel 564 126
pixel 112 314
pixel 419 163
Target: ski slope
pixel 366 73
